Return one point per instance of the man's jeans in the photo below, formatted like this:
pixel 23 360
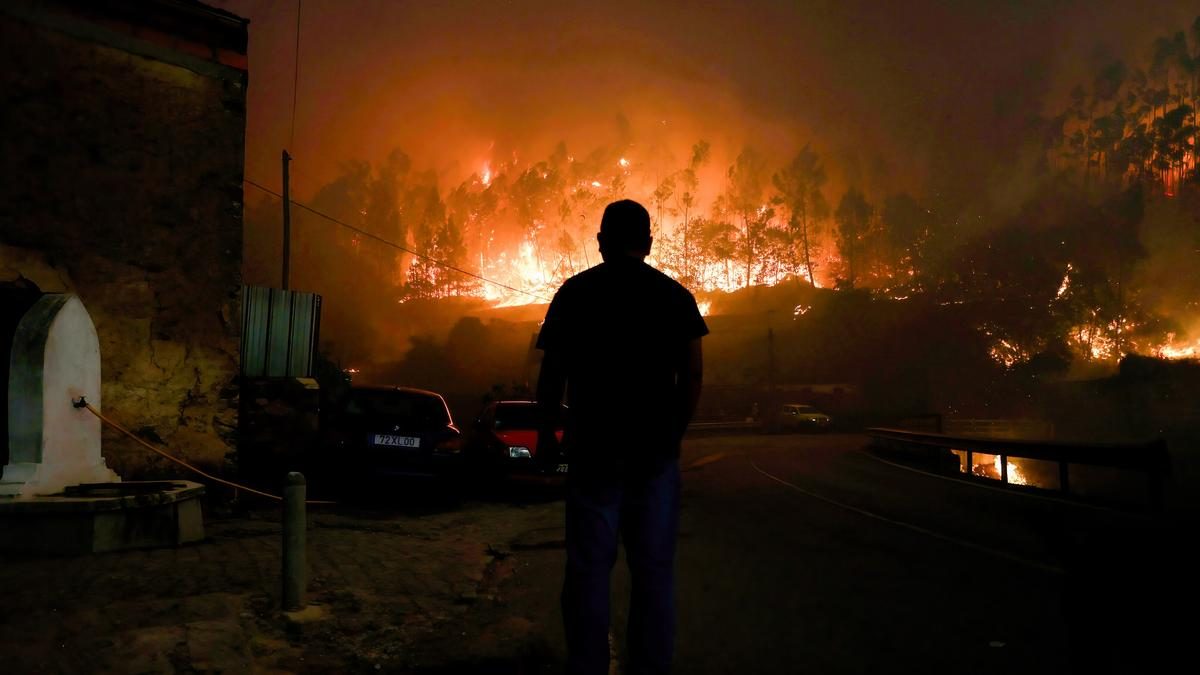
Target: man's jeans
pixel 644 508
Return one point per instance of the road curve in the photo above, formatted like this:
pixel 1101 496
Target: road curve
pixel 805 554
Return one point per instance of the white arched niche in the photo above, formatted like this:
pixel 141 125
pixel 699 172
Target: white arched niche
pixel 55 359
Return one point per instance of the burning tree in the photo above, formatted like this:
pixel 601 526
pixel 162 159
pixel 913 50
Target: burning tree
pixel 743 200
pixel 853 223
pixel 800 186
pixel 681 251
pixel 1136 124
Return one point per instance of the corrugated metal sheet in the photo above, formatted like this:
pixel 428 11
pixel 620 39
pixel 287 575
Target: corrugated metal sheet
pixel 280 330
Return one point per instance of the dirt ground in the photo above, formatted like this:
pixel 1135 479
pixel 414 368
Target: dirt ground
pixel 396 586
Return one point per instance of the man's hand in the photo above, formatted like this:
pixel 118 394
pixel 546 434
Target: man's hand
pixel 552 382
pixel 691 379
pixel 549 450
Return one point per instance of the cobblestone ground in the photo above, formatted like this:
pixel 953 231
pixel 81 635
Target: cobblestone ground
pixel 392 591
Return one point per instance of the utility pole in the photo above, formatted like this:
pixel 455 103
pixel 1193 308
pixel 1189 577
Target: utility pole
pixel 770 409
pixel 771 363
pixel 287 221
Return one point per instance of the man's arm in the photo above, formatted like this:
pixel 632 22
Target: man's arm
pixel 691 379
pixel 552 382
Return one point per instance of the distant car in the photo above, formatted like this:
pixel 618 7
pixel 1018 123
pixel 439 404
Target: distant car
pixel 802 417
pixel 394 432
pixel 504 438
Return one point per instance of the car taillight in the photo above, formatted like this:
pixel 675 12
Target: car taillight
pixel 450 445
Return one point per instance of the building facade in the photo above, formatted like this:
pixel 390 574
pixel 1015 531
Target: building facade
pixel 122 150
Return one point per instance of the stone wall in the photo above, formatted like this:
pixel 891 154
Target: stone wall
pixel 122 183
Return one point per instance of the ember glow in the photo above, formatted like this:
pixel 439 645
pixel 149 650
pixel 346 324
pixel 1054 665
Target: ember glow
pixel 1111 341
pixel 1015 477
pixel 1172 349
pixel 1066 283
pixel 994 468
pixel 1007 353
pixel 522 271
pixel 1096 342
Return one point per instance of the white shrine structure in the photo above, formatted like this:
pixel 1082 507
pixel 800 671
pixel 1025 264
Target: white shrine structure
pixel 56 493
pixel 55 360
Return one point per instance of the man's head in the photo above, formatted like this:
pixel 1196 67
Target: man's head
pixel 625 231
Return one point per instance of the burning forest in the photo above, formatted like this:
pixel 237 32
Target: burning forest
pixel 1092 257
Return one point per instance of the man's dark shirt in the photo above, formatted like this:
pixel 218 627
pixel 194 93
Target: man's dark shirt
pixel 621 330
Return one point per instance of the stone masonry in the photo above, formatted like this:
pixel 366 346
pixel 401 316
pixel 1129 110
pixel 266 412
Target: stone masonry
pixel 122 150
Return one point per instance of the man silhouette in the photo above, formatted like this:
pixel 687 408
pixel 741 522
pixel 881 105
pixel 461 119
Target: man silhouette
pixel 623 340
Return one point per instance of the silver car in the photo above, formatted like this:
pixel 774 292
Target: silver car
pixel 802 417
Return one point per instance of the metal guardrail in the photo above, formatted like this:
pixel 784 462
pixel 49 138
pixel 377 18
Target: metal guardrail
pixel 996 428
pixel 1150 458
pixel 724 426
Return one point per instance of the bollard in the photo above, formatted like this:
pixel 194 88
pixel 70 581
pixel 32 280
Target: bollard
pixel 295 527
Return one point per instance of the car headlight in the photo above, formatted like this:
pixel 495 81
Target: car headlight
pixel 519 451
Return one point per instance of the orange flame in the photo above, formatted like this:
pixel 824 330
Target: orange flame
pixel 1015 476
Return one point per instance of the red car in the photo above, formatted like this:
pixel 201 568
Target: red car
pixel 505 437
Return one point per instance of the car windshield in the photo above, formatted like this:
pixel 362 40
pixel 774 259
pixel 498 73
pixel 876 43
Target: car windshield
pixel 803 409
pixel 517 416
pixel 403 406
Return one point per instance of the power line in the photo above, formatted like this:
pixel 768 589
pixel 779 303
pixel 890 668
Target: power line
pixel 394 245
pixel 295 75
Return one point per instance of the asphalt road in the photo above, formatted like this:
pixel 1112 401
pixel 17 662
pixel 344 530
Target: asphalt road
pixel 804 554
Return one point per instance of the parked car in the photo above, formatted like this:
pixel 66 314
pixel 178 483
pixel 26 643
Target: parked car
pixel 393 432
pixel 802 417
pixel 504 437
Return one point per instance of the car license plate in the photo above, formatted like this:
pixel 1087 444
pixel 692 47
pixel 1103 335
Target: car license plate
pixel 562 468
pixel 396 441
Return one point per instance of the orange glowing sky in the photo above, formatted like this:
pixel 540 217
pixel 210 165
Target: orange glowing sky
pixel 920 95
